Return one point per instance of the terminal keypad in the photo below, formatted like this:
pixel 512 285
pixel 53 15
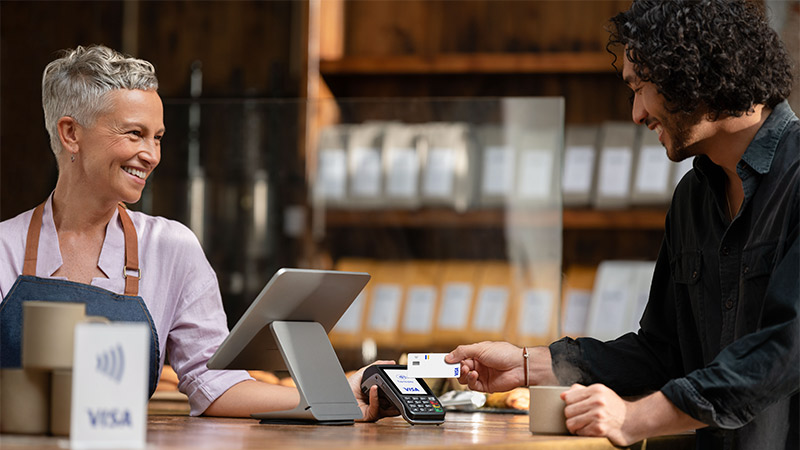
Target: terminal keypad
pixel 423 404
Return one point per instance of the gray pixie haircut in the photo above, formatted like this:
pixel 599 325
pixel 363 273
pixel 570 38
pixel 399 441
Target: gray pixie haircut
pixel 76 84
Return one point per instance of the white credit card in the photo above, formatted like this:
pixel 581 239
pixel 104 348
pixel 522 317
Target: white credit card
pixel 431 365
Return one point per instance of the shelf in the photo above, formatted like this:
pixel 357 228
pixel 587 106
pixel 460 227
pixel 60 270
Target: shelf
pixel 576 219
pixel 473 63
pixel 623 219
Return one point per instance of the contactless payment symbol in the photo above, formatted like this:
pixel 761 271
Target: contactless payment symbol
pixel 111 363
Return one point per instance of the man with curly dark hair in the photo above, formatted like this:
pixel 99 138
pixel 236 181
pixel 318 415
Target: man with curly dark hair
pixel 718 349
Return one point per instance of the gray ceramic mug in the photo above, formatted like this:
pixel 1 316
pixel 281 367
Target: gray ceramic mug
pixel 547 410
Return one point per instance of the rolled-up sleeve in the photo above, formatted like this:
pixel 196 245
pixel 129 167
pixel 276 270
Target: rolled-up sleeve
pixel 198 328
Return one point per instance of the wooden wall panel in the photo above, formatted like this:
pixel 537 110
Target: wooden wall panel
pixel 428 27
pixel 387 27
pixel 243 46
pixel 590 98
pixel 31 34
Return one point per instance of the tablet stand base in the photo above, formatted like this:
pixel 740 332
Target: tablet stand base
pixel 304 422
pixel 325 394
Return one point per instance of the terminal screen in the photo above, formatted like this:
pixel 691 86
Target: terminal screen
pixel 406 384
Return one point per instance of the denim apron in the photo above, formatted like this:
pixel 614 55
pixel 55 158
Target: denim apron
pixel 99 302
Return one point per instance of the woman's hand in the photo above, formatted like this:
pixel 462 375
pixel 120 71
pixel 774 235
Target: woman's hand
pixel 370 405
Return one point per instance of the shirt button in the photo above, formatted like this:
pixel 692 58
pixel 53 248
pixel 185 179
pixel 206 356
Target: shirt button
pixel 725 251
pixel 745 270
pixel 728 304
pixel 694 275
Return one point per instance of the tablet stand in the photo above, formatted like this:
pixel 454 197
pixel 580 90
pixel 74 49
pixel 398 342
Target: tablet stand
pixel 325 394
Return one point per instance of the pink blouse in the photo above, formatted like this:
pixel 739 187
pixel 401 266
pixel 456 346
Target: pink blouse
pixel 178 286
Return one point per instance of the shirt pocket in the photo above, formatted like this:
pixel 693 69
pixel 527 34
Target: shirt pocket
pixel 687 267
pixel 687 274
pixel 758 262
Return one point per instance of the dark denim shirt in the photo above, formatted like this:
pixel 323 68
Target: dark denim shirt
pixel 719 336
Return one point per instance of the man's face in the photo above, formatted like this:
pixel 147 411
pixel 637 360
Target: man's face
pixel 680 133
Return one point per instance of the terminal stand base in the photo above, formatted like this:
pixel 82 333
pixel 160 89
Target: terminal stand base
pixel 325 394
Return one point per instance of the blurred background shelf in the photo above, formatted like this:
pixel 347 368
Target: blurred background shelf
pixel 625 219
pixel 574 219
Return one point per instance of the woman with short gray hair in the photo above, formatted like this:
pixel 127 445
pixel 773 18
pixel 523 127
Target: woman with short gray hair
pixel 105 120
pixel 76 83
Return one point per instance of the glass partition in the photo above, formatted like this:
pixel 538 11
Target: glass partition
pixel 452 205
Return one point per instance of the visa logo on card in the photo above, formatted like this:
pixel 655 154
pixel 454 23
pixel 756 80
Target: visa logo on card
pixel 431 365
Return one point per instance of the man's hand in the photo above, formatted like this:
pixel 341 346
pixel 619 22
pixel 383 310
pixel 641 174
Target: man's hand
pixel 489 366
pixel 370 407
pixel 597 411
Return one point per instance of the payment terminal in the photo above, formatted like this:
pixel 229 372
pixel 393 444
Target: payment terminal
pixel 411 396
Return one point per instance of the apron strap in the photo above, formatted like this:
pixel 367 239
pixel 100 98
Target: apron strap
pixel 131 249
pixel 32 243
pixel 131 253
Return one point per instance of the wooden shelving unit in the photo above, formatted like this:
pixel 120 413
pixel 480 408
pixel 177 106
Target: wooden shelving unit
pixel 473 63
pixel 464 49
pixel 623 219
pixel 572 219
pixel 476 48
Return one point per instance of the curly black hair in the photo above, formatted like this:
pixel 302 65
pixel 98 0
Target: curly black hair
pixel 718 53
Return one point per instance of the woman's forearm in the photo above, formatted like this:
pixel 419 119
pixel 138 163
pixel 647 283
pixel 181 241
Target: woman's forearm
pixel 249 397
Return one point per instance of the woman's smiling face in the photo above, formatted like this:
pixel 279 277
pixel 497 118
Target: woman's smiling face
pixel 122 147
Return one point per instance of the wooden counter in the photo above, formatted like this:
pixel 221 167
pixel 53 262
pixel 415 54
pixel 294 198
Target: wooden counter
pixel 460 430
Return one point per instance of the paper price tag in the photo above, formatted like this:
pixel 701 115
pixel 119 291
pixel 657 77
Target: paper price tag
pixel 652 174
pixel 615 171
pixel 537 310
pixel 576 311
pixel 440 172
pixel 536 174
pixel 332 175
pixel 498 171
pixel 456 300
pixel 366 172
pixel 490 314
pixel 578 169
pixel 420 304
pixel 403 172
pixel 613 303
pixel 385 307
